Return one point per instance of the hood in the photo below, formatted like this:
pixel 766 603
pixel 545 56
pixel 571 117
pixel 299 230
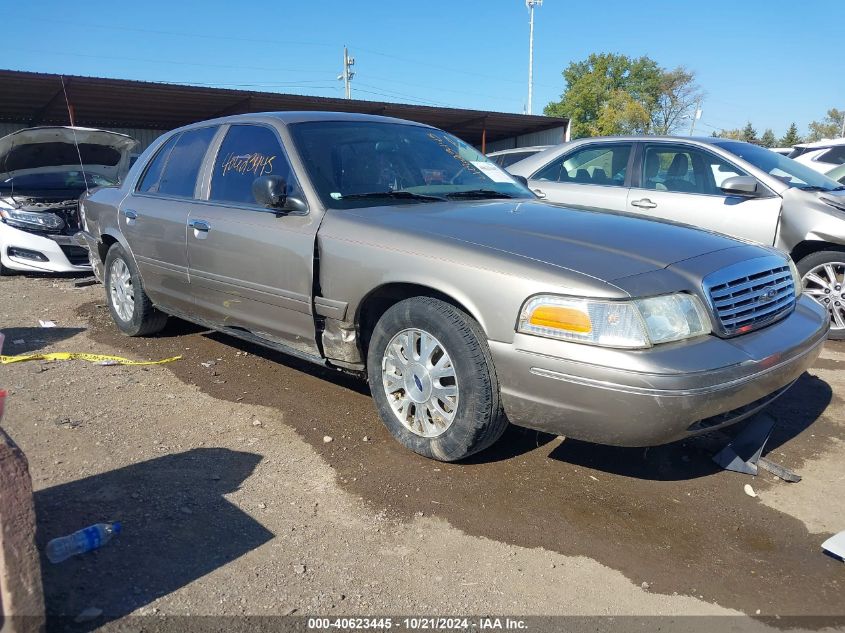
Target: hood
pixel 606 246
pixel 44 149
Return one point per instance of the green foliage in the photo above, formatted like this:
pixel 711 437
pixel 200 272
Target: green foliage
pixel 792 137
pixel 610 94
pixel 749 133
pixel 768 139
pixel 829 127
pixel 737 135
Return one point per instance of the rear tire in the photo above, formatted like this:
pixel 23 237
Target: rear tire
pixel 823 276
pixel 130 307
pixel 433 381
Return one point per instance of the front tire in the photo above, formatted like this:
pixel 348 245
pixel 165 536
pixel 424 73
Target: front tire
pixel 130 307
pixel 823 276
pixel 432 378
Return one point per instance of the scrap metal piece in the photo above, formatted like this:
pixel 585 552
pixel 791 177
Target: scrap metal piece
pixel 835 546
pixel 781 472
pixel 743 452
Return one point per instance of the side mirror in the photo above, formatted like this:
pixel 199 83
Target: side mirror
pixel 740 186
pixel 271 192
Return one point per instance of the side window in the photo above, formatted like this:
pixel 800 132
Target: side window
pixel 247 152
pixel 183 164
pixel 835 155
pixel 152 176
pixel 682 169
pixel 590 165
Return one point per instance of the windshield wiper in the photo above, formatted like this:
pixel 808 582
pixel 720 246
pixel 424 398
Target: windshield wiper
pixel 817 188
pixel 399 195
pixel 479 194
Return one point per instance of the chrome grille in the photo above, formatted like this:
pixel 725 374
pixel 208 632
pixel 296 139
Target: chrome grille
pixel 750 295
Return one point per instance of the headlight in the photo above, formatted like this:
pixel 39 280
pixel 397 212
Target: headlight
pixel 632 324
pixel 32 220
pixel 796 278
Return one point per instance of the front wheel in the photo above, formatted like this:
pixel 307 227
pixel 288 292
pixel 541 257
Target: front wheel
pixel 130 307
pixel 823 277
pixel 432 378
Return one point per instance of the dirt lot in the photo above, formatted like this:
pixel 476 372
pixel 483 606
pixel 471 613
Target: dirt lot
pixel 233 503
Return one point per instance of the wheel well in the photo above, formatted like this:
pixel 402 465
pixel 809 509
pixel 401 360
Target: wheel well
pixel 384 297
pixel 103 247
pixel 808 247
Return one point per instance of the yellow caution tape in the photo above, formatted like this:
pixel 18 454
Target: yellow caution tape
pixel 93 358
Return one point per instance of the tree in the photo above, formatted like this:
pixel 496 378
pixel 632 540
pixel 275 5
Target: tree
pixel 768 139
pixel 736 135
pixel 791 138
pixel 677 102
pixel 829 127
pixel 595 89
pixel 749 134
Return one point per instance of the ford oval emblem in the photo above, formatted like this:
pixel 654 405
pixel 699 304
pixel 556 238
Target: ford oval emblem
pixel 768 294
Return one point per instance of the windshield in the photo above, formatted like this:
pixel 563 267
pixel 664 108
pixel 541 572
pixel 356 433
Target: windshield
pixel 789 171
pixel 367 163
pixel 54 181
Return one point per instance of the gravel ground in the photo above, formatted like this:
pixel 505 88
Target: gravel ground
pixel 233 502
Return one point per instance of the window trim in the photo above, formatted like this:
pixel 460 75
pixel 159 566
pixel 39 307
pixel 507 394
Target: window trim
pixel 585 146
pixel 211 160
pixel 148 165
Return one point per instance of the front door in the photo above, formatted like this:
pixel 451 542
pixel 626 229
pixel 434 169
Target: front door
pixel 154 217
pixel 681 183
pixel 591 177
pixel 251 267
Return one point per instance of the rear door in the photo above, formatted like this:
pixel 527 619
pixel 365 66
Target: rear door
pixel 252 267
pixel 154 217
pixel 681 182
pixel 592 176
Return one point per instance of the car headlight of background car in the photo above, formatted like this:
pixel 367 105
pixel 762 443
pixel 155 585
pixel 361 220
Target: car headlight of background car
pixel 32 221
pixel 637 323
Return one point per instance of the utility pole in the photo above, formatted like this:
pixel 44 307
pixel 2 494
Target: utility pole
pixel 531 4
pixel 347 74
pixel 695 117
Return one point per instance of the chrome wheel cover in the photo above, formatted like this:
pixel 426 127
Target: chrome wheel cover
pixel 120 290
pixel 420 383
pixel 826 284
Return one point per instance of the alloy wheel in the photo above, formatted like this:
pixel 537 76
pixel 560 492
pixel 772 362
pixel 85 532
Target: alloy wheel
pixel 826 284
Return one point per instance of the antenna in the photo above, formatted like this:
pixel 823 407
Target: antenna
pixel 73 129
pixel 531 4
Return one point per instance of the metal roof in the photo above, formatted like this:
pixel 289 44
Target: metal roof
pixel 38 99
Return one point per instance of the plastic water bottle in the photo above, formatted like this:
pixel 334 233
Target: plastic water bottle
pixel 92 537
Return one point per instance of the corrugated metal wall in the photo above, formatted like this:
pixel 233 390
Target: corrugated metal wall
pixel 554 136
pixel 143 136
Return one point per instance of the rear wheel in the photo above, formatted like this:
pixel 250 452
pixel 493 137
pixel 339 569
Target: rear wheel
pixel 432 378
pixel 130 307
pixel 823 277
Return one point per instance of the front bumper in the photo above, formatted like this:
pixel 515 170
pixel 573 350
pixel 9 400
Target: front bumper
pixel 651 397
pixel 46 253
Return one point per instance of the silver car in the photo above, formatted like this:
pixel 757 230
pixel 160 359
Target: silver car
pixel 727 186
pixel 398 252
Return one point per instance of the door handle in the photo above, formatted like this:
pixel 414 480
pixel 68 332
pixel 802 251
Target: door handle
pixel 200 225
pixel 645 203
pixel 129 214
pixel 540 193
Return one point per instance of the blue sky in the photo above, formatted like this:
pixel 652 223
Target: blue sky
pixel 770 62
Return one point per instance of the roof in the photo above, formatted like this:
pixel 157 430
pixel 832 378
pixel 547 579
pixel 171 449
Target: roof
pixel 38 98
pixel 827 142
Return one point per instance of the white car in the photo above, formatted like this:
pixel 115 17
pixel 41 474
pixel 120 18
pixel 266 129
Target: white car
pixel 506 157
pixel 821 155
pixel 43 171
